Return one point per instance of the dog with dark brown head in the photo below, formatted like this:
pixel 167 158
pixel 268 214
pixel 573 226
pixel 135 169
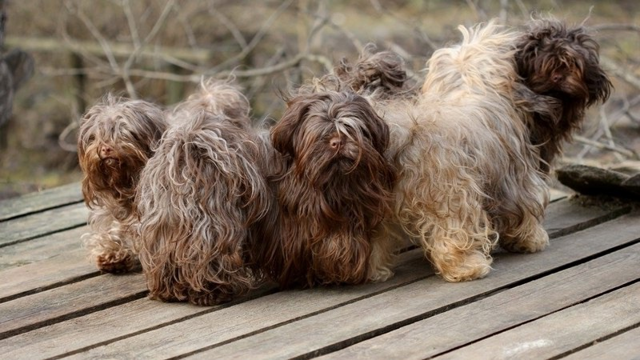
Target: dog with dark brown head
pixel 199 196
pixel 333 193
pixel 562 66
pixel 117 137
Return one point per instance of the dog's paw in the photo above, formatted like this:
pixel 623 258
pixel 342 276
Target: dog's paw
pixel 535 242
pixel 117 262
pixel 468 266
pixel 209 298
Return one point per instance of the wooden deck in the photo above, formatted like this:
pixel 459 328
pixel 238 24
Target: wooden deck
pixel 579 299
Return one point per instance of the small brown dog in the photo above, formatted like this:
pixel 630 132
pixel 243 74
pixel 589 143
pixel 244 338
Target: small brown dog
pixel 199 196
pixel 333 193
pixel 562 66
pixel 116 139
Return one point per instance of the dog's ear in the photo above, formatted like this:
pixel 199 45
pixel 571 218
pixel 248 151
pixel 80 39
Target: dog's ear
pixel 545 108
pixel 378 128
pixel 283 134
pixel 147 125
pixel 597 81
pixel 599 85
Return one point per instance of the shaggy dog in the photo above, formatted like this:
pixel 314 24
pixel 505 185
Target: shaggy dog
pixel 467 171
pixel 333 193
pixel 473 149
pixel 116 139
pixel 562 66
pixel 199 196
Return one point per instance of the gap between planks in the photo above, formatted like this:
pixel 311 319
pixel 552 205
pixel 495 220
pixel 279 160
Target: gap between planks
pixel 432 294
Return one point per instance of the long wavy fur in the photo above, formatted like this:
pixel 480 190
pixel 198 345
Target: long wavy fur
pixel 198 198
pixel 117 137
pixel 561 66
pixel 333 193
pixel 467 172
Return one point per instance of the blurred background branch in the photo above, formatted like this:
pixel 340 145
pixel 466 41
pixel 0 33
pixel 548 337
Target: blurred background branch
pixel 158 50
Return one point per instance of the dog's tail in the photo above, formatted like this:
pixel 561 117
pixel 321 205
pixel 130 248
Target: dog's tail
pixel 198 197
pixel 375 74
pixel 220 98
pixel 482 62
pixel 382 72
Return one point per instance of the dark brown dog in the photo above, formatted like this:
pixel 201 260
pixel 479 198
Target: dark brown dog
pixel 561 64
pixel 333 193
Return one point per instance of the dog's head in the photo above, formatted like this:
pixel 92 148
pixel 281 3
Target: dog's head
pixel 221 98
pixel 116 139
pixel 331 134
pixel 562 63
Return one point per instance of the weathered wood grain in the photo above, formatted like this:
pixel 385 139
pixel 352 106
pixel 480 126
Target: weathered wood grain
pixel 43 263
pixel 625 346
pixel 241 319
pixel 369 317
pixel 557 195
pixel 562 331
pixel 101 326
pixel 43 223
pixel 507 309
pixel 38 201
pixel 72 300
pixel 61 269
pixel 84 315
pixel 41 249
pixel 565 216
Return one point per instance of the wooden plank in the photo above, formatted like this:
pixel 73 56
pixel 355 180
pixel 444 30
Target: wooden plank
pixel 44 223
pixel 450 330
pixel 158 325
pixel 565 216
pixel 38 201
pixel 43 263
pixel 40 249
pixel 59 270
pixel 60 246
pixel 295 323
pixel 48 275
pixel 621 347
pixel 71 335
pixel 117 320
pixel 561 332
pixel 72 300
pixel 343 326
pixel 556 195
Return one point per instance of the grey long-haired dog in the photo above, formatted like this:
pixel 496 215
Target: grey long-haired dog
pixel 199 196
